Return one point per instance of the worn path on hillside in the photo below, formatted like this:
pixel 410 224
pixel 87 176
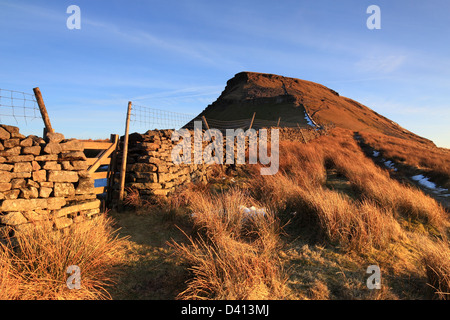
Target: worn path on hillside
pixel 441 197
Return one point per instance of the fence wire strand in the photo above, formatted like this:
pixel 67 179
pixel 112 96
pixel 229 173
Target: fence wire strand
pixel 158 119
pixel 153 118
pixel 18 105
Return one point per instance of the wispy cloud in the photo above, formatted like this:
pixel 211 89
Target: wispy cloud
pixel 380 64
pixel 178 96
pixel 118 35
pixel 183 93
pixel 141 39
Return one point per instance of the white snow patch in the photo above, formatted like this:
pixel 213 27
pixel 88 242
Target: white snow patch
pixel 390 165
pixel 376 153
pixel 308 120
pixel 426 183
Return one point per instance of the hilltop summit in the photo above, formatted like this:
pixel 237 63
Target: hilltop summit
pixel 274 96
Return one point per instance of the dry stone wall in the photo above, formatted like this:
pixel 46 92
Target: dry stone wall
pixel 47 179
pixel 43 179
pixel 300 135
pixel 150 168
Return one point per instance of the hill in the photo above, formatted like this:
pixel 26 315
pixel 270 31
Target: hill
pixel 273 96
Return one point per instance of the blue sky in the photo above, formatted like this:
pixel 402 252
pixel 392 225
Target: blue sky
pixel 178 55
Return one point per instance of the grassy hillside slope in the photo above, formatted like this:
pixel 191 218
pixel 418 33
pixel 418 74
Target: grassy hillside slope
pixel 273 96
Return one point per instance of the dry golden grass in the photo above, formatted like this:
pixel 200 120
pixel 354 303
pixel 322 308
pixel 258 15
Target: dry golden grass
pixel 36 267
pixel 367 219
pixel 299 188
pixel 9 282
pixel 374 183
pixel 232 257
pixel 319 291
pixel 375 216
pixel 354 225
pixel 437 263
pixel 436 161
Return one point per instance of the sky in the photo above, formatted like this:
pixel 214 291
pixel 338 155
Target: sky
pixel 177 55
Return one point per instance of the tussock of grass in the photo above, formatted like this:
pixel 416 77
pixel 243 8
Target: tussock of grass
pixel 232 257
pixel 9 282
pixel 377 217
pixel 437 264
pixel 374 183
pixel 36 267
pixel 353 225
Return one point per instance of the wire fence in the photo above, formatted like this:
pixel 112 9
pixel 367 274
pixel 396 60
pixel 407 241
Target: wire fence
pixel 23 107
pixel 20 106
pixel 152 118
pixel 246 123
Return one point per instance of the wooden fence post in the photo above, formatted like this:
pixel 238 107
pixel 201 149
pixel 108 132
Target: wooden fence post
pixel 112 169
pixel 44 114
pixel 253 119
pixel 278 123
pixel 206 125
pixel 205 122
pixel 123 169
pixel 304 140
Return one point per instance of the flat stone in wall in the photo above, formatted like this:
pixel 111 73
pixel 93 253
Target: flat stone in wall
pixel 43 179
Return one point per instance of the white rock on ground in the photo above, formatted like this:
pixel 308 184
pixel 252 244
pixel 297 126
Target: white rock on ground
pixel 252 211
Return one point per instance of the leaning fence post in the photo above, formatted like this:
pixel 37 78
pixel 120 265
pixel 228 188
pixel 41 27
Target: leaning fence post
pixel 206 122
pixel 304 140
pixel 278 123
pixel 123 168
pixel 44 114
pixel 251 122
pixel 207 126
